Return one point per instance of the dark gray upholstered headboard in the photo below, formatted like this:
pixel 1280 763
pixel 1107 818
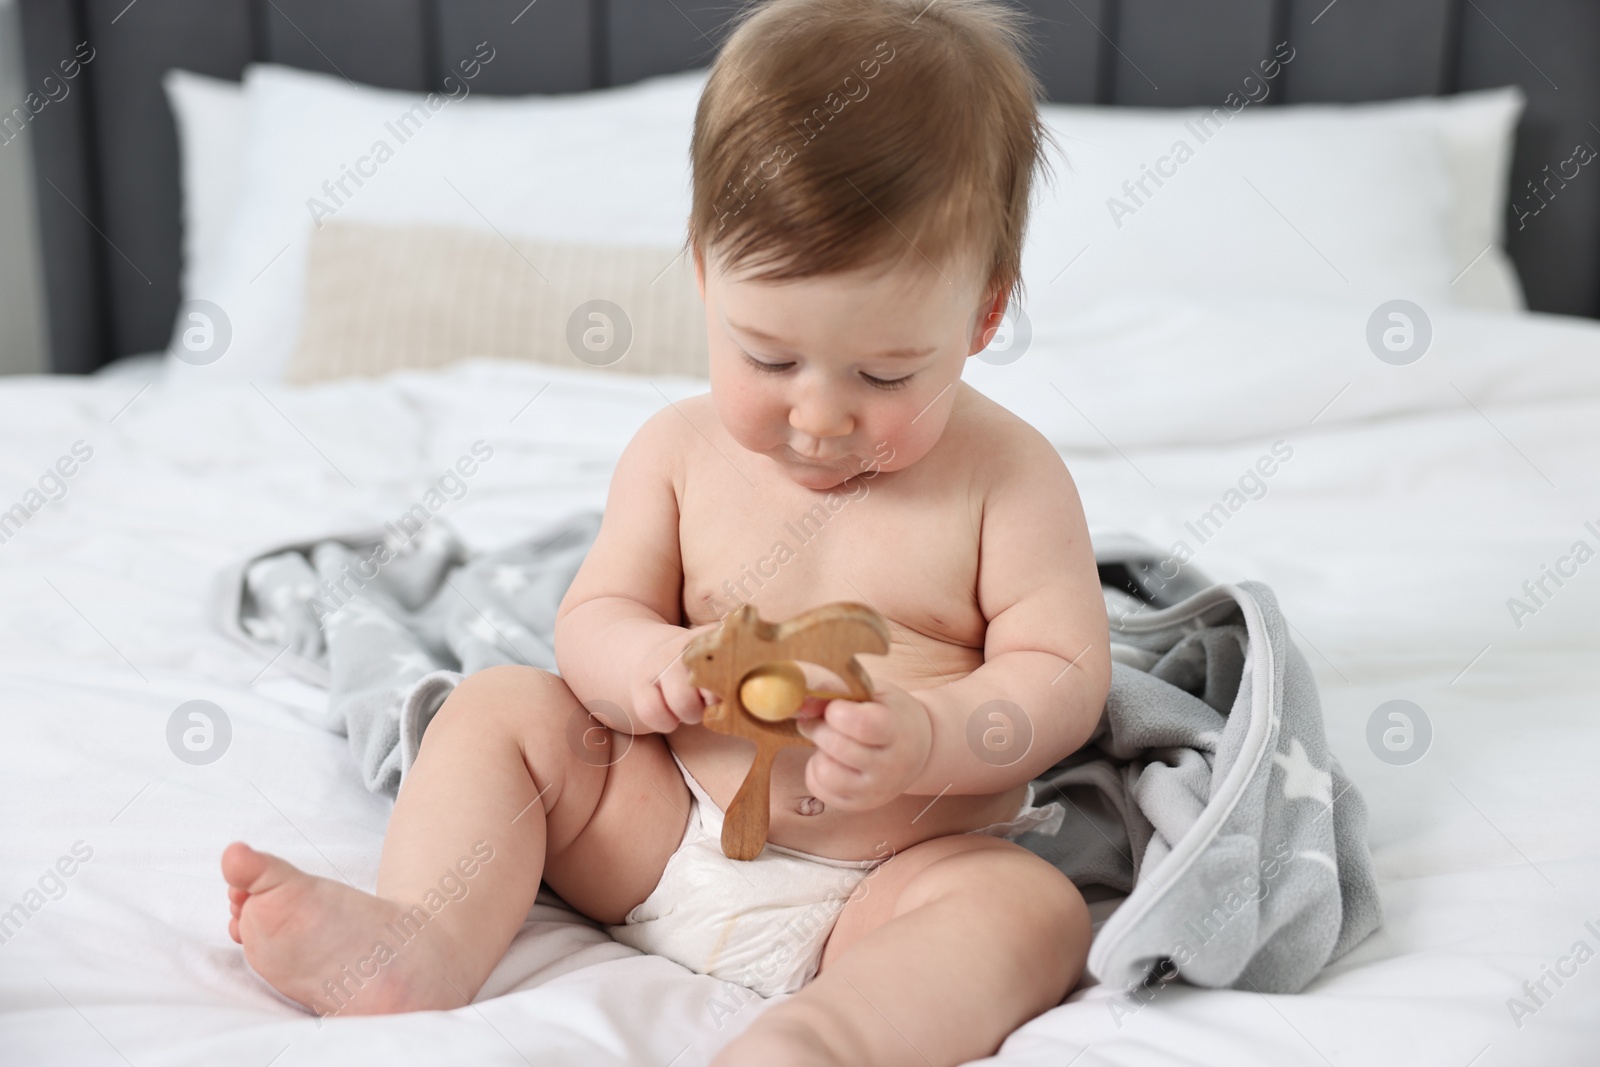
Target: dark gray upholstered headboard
pixel 107 163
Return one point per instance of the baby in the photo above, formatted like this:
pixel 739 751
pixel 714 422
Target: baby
pixel 862 170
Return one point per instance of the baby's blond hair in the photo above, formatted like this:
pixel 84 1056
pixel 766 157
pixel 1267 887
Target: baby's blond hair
pixel 838 134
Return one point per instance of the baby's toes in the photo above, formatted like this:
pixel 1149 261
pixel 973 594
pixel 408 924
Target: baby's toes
pixel 233 928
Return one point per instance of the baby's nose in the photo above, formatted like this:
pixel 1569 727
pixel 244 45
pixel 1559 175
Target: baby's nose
pixel 820 420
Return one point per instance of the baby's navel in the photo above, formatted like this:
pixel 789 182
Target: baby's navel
pixel 810 806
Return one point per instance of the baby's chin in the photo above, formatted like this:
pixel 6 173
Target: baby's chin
pixel 819 481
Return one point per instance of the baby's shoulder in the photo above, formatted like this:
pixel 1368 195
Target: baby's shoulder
pixel 1004 449
pixel 678 419
pixel 672 433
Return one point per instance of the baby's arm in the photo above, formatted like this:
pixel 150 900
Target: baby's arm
pixel 617 635
pixel 1046 648
pixel 1046 651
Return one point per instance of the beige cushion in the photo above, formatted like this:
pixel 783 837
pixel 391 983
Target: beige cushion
pixel 385 298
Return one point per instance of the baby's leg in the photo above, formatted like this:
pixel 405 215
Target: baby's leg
pixel 507 787
pixel 940 953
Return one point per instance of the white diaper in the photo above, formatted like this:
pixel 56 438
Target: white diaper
pixel 761 923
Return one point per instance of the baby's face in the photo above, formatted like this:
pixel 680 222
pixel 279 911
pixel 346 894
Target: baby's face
pixel 837 374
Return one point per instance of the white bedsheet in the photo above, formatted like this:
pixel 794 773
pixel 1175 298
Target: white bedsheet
pixel 1392 541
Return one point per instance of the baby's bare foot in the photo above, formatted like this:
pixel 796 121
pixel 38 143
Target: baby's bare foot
pixel 329 946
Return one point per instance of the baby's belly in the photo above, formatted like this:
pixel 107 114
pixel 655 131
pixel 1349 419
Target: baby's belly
pixel 719 763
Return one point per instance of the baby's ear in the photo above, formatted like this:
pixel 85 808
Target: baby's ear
pixel 699 268
pixel 988 320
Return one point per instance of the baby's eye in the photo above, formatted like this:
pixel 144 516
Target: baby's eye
pixel 887 383
pixel 763 367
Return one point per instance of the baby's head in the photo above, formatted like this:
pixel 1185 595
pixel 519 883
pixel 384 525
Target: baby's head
pixel 862 171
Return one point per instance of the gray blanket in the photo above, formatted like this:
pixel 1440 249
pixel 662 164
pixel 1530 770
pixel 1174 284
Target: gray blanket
pixel 389 620
pixel 1208 795
pixel 1214 833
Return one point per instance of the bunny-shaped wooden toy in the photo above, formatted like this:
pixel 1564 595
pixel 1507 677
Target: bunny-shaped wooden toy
pixel 754 667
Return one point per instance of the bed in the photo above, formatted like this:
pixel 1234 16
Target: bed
pixel 1411 541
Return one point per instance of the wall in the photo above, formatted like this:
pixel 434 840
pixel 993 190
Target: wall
pixel 22 340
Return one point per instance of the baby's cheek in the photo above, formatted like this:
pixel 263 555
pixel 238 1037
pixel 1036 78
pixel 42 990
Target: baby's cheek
pixel 897 444
pixel 741 411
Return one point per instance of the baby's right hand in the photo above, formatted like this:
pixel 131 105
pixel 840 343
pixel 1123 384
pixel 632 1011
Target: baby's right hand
pixel 665 698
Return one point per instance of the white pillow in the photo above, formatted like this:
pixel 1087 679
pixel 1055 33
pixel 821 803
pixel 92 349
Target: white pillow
pixel 1352 203
pixel 1400 196
pixel 1152 370
pixel 210 115
pixel 606 167
pixel 1478 132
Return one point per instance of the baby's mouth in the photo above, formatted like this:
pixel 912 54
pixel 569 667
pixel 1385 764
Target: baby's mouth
pixel 816 474
pixel 830 463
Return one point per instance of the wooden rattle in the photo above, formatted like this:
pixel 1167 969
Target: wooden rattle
pixel 752 666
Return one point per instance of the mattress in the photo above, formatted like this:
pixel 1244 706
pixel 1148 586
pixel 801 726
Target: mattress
pixel 1395 538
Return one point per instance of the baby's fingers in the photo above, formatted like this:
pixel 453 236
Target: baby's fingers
pixel 839 745
pixel 652 712
pixel 869 723
pixel 835 784
pixel 682 697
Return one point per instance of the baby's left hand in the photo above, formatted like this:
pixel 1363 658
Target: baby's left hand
pixel 868 753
